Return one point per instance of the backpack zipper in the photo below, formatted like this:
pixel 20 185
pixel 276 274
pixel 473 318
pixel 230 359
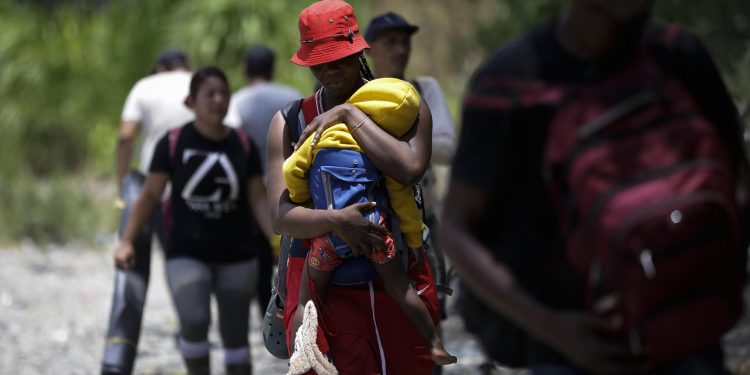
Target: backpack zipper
pixel 647 260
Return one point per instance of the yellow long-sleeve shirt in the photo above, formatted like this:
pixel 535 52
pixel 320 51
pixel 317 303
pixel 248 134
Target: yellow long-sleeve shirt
pixel 401 197
pixel 393 104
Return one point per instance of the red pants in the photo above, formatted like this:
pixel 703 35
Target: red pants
pixel 355 349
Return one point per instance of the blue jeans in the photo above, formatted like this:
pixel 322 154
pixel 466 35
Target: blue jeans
pixel 710 362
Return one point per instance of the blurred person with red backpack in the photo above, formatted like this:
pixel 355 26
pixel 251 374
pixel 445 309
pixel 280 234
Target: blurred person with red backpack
pixel 597 207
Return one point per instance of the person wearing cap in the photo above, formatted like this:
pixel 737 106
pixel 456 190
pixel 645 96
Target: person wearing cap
pixel 392 104
pixel 389 36
pixel 372 334
pixel 251 109
pixel 153 106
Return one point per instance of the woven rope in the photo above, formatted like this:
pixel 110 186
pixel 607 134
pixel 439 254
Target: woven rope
pixel 307 356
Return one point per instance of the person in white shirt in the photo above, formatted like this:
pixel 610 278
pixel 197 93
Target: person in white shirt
pixel 154 106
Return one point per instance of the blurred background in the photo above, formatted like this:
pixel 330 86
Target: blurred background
pixel 66 67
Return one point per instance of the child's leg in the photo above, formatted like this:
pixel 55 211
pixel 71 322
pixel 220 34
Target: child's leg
pixel 400 290
pixel 318 272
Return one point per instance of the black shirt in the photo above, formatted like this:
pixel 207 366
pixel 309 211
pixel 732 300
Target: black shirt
pixel 210 211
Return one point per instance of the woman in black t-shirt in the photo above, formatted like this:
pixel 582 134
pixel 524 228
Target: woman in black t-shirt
pixel 219 219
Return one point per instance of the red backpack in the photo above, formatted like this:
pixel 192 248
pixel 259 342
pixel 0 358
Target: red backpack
pixel 646 193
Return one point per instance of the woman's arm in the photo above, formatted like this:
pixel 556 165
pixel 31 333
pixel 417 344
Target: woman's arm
pixel 256 196
pixel 149 198
pixel 403 159
pixel 300 222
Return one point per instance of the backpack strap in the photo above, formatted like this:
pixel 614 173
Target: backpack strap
pixel 307 108
pixel 173 137
pixel 292 121
pixel 416 85
pixel 310 108
pixel 244 140
pixel 286 244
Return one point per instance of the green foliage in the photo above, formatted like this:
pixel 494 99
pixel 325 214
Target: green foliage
pixel 57 209
pixel 66 70
pixel 66 67
pixel 725 31
pixel 512 18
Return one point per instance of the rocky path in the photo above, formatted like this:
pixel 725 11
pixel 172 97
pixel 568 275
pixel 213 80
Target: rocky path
pixel 54 304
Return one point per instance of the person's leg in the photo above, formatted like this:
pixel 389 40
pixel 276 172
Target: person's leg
pixel 403 293
pixel 234 287
pixel 319 279
pixel 190 284
pixel 436 261
pixel 129 292
pixel 319 264
pixel 404 348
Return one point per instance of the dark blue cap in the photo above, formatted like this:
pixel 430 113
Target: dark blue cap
pixel 170 57
pixel 388 21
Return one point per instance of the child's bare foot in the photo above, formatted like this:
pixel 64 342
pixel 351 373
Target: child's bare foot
pixel 440 356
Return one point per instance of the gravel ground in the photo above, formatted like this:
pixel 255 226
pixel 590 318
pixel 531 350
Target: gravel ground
pixel 54 303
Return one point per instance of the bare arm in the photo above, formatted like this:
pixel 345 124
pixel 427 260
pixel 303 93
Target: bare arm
pixel 256 196
pixel 300 222
pixel 125 140
pixel 492 281
pixel 403 159
pixel 579 336
pixel 149 198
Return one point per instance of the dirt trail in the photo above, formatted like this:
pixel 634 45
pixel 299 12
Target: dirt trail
pixel 54 304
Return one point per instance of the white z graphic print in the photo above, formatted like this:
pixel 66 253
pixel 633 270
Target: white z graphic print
pixel 218 202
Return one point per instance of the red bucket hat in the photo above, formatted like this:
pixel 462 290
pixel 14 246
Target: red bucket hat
pixel 328 31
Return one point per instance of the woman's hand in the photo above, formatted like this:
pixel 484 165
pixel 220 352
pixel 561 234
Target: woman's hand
pixel 360 234
pixel 125 255
pixel 336 115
